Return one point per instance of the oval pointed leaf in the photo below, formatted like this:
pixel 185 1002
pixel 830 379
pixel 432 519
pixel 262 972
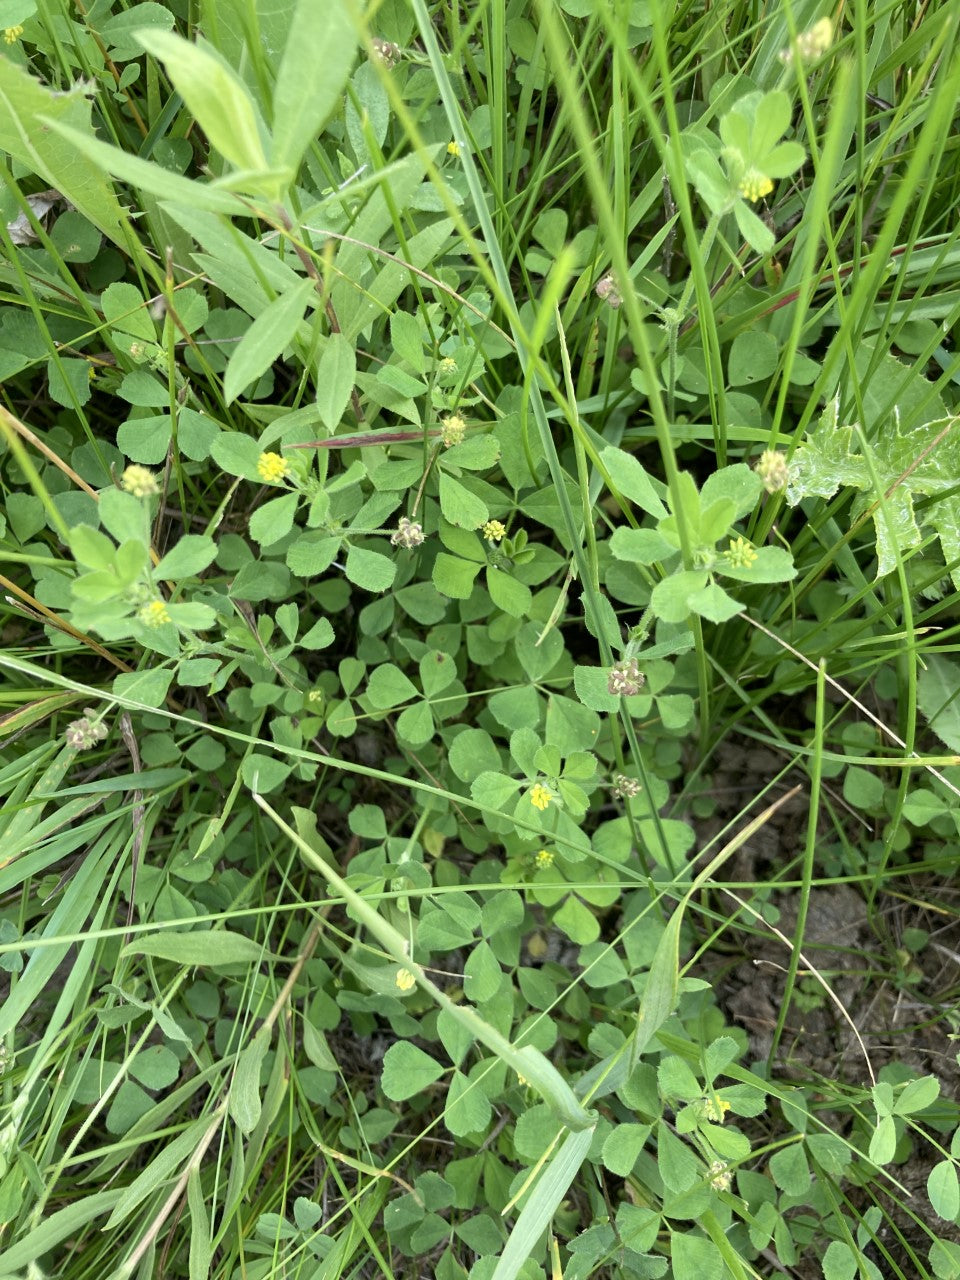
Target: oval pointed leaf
pixel 211 947
pixel 266 338
pixel 214 94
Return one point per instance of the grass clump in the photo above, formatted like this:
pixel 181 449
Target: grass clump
pixel 479 758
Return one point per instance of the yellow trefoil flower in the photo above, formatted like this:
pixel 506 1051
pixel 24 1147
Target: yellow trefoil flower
pixel 405 980
pixel 540 796
pixel 740 554
pixel 453 149
pixel 154 614
pixel 754 185
pixel 12 34
pixel 543 858
pixel 494 531
pixel 272 468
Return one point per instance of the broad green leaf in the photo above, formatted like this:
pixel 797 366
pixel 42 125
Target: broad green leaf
pixel 336 374
pixel 149 177
pixel 641 546
pixel 467 1108
pixel 789 1169
pixel 245 1103
pixel 91 548
pixel 274 519
pixel 773 564
pixel 148 687
pixel 320 49
pixel 192 616
pixel 937 698
pixel 416 725
pixel 713 603
pixel 494 790
pixel 622 1146
pixel 208 947
pixel 916 1095
pixel 437 672
pixel 678 1165
pixel 265 340
pixel 389 687
pixel 459 505
pixel 472 752
pixel 146 440
pixel 214 94
pixel 125 308
pixel 407 1071
pixel 943 1190
pixel 632 481
pixel 382 292
pixel 31 116
pixel 753 358
pixel 509 594
pixel 670 599
pixel 191 555
pixel 738 484
pixel 839 1261
pixel 369 569
pixel 756 233
pixel 694 1257
pixel 453 576
pixel 577 921
pixel 482 975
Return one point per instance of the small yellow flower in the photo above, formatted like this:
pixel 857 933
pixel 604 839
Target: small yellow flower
pixel 12 34
pixel 754 185
pixel 140 481
pixel 154 614
pixel 272 468
pixel 447 367
pixel 405 980
pixel 720 1176
pixel 522 1079
pixel 493 531
pixel 542 859
pixel 713 1109
pixel 453 149
pixel 540 796
pixel 740 554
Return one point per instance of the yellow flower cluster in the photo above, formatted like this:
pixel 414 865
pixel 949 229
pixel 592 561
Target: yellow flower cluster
pixel 154 614
pixel 754 185
pixel 494 531
pixel 272 468
pixel 405 980
pixel 12 34
pixel 540 796
pixel 740 554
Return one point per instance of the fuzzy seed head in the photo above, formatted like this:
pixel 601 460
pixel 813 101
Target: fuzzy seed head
pixel 625 678
pixel 773 470
pixel 409 534
pixel 140 481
